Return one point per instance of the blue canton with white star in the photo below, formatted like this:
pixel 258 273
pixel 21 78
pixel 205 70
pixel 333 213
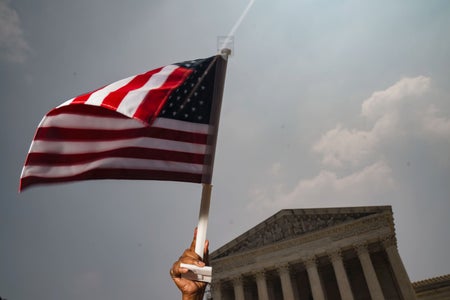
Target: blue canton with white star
pixel 192 101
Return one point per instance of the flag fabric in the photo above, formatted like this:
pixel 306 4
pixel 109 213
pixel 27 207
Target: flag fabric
pixel 153 126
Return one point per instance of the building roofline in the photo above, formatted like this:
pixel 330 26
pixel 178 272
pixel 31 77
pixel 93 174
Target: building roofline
pixel 432 283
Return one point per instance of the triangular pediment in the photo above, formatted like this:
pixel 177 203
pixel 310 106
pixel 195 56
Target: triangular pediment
pixel 291 223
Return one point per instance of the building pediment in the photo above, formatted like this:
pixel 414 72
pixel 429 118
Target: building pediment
pixel 291 223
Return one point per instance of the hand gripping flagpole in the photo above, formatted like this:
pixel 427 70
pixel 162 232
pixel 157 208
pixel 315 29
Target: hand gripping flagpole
pixel 204 274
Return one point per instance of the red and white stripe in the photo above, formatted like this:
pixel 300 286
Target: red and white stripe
pixel 114 133
pixel 141 96
pixel 127 149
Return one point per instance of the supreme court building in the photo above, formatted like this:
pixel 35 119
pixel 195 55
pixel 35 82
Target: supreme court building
pixel 325 253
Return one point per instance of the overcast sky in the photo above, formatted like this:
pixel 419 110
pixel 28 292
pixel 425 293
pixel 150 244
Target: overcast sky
pixel 327 104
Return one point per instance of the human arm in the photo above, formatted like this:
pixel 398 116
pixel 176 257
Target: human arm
pixel 190 290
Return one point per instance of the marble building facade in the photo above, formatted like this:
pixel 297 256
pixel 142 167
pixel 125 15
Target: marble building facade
pixel 326 253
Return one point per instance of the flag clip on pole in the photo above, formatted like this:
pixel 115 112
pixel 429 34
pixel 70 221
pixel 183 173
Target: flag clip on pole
pixel 196 273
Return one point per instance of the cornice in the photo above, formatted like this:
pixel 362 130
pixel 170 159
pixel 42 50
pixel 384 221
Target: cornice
pixel 292 223
pixel 434 282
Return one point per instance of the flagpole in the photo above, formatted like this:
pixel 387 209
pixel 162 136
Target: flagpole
pixel 204 274
pixel 203 219
pixel 219 83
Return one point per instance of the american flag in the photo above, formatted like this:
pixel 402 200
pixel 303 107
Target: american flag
pixel 157 125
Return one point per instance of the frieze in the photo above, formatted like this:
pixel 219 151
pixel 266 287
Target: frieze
pixel 288 227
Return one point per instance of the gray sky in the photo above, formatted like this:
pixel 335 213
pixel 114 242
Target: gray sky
pixel 327 103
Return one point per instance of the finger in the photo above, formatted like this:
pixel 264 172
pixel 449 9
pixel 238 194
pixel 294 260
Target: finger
pixel 192 260
pixel 191 254
pixel 191 257
pixel 173 274
pixel 175 271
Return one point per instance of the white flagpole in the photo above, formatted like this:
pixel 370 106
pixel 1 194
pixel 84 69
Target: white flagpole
pixel 219 83
pixel 203 219
pixel 204 274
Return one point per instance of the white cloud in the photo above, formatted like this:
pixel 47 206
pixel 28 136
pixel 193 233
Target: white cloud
pixel 381 103
pixel 341 145
pixel 327 189
pixel 13 46
pixel 357 163
pixel 394 112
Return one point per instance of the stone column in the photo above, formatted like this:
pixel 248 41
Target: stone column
pixel 286 283
pixel 238 286
pixel 341 275
pixel 216 289
pixel 262 286
pixel 406 289
pixel 369 273
pixel 314 279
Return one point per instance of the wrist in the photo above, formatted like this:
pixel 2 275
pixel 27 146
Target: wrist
pixel 192 297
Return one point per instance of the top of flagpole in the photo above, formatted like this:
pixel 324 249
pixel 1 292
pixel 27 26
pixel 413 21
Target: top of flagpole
pixel 225 45
pixel 225 52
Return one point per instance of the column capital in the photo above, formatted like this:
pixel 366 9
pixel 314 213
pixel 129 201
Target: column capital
pixel 361 248
pixel 283 267
pixel 335 255
pixel 310 262
pixel 389 241
pixel 260 274
pixel 237 280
